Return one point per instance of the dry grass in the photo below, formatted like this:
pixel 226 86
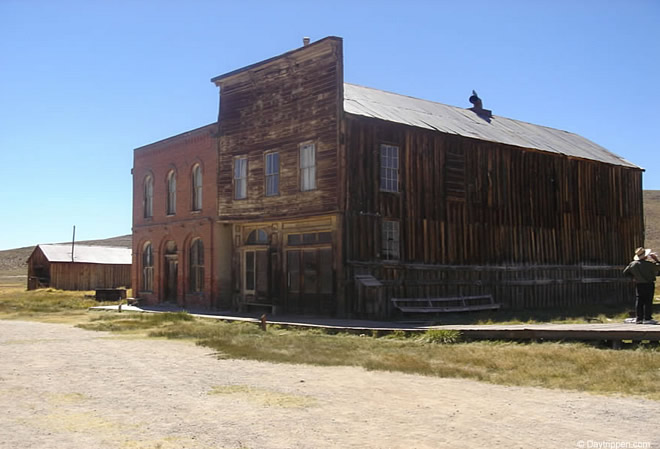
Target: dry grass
pixel 553 365
pixel 46 305
pixel 570 366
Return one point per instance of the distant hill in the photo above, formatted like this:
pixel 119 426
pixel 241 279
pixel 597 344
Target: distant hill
pixel 13 261
pixel 652 219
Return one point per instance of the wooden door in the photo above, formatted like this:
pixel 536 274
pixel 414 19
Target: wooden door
pixel 171 278
pixel 310 281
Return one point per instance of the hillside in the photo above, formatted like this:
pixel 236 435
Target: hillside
pixel 652 218
pixel 13 261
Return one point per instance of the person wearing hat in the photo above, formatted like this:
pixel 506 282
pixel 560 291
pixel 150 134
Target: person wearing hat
pixel 643 269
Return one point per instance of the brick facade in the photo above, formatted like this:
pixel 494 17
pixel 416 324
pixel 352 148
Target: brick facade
pixel 171 235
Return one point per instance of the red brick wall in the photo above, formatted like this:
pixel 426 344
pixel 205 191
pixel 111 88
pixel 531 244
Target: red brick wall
pixel 179 153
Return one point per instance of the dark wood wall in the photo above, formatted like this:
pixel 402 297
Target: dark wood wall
pixel 464 201
pixel 468 209
pixel 276 106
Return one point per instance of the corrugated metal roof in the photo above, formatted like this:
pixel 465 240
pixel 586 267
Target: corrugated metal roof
pixel 392 107
pixel 110 255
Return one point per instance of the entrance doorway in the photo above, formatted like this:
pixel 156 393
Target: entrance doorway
pixel 171 269
pixel 310 281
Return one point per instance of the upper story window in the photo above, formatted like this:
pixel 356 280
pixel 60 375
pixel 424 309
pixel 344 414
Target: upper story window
pixel 240 177
pixel 389 168
pixel 171 193
pixel 307 167
pixel 147 268
pixel 197 187
pixel 272 174
pixel 390 240
pixel 148 196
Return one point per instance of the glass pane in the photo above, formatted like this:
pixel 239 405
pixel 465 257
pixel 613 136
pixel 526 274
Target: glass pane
pixel 249 270
pixel 262 272
pixel 325 265
pixel 325 237
pixel 293 271
pixel 310 272
pixel 294 239
pixel 309 238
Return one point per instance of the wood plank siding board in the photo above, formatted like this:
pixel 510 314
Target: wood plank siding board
pixel 463 202
pixel 277 106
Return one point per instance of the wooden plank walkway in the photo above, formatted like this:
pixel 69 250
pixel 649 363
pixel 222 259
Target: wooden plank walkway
pixel 610 332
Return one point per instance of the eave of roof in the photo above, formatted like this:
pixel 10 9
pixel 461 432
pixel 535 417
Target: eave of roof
pixel 374 103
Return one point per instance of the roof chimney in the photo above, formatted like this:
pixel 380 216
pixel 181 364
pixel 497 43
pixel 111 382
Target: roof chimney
pixel 305 41
pixel 478 107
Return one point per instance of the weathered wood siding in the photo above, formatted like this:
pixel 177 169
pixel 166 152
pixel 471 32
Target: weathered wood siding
pixel 89 276
pixel 276 106
pixel 522 224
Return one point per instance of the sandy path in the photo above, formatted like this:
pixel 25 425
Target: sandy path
pixel 62 387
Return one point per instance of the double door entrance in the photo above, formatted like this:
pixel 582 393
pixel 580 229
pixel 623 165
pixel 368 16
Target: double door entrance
pixel 310 281
pixel 308 284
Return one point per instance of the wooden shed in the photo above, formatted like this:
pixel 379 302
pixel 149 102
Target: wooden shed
pixel 80 267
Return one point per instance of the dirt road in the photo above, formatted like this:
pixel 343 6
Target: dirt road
pixel 62 387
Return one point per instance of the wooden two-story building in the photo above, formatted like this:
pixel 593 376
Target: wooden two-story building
pixel 322 184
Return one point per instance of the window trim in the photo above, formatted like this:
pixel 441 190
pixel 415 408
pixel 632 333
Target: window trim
pixel 197 183
pixel 307 169
pixel 147 274
pixel 243 179
pixel 196 266
pixel 274 175
pixel 148 196
pixel 393 171
pixel 171 192
pixel 387 249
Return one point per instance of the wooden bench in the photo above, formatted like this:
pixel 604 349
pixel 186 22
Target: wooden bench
pixel 262 305
pixel 434 305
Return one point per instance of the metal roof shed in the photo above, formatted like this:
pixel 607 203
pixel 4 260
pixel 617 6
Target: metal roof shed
pixel 90 267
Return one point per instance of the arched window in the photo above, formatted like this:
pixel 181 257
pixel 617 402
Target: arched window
pixel 147 268
pixel 148 200
pixel 197 187
pixel 257 237
pixel 196 266
pixel 171 193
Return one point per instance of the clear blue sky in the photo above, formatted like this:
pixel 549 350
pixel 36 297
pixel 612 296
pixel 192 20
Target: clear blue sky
pixel 83 83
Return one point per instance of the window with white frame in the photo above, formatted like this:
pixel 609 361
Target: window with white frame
pixel 197 187
pixel 171 193
pixel 390 236
pixel 147 268
pixel 307 167
pixel 272 174
pixel 196 266
pixel 240 177
pixel 148 200
pixel 389 168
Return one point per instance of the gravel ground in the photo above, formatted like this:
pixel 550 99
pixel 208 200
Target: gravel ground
pixel 62 387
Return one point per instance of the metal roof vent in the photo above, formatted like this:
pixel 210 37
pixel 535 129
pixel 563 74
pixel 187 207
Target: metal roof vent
pixel 305 41
pixel 478 108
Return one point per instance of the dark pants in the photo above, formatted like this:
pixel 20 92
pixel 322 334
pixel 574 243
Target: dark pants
pixel 644 300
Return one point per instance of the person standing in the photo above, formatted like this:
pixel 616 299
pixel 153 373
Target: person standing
pixel 644 269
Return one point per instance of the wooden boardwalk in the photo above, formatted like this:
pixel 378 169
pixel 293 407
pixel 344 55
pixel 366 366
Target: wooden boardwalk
pixel 613 333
